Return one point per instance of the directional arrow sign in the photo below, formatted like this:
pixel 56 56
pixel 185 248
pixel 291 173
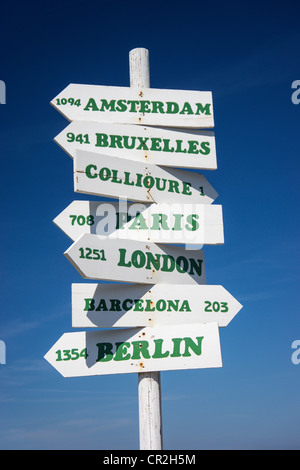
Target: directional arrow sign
pixel 158 223
pixel 150 106
pixel 189 149
pixel 108 305
pixel 104 175
pixel 192 346
pixel 133 261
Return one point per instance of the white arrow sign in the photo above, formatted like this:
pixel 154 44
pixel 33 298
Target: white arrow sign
pixel 133 261
pixel 111 305
pixel 158 223
pixel 115 177
pixel 189 149
pixel 150 106
pixel 192 346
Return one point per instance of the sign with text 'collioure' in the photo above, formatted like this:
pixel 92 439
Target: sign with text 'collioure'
pixel 128 105
pixel 137 262
pixel 166 147
pixel 103 175
pixel 117 351
pixel 158 223
pixel 108 305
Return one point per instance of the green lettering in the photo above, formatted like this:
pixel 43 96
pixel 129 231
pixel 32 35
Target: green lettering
pixel 190 344
pixel 121 351
pixel 89 305
pixel 88 171
pixel 203 109
pixel 105 353
pixel 101 140
pixel 91 104
pixel 140 347
pixel 172 108
pixel 187 109
pixel 158 354
pixel 122 258
pixel 109 106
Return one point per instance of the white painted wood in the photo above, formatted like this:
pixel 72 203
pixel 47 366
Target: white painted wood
pixel 134 261
pixel 158 223
pixel 131 180
pixel 150 426
pixel 136 105
pixel 111 305
pixel 167 147
pixel 192 346
pixel 150 419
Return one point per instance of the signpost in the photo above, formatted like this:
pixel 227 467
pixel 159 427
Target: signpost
pixel 104 175
pixel 175 148
pixel 108 305
pixel 133 261
pixel 188 346
pixel 136 105
pixel 158 223
pixel 125 143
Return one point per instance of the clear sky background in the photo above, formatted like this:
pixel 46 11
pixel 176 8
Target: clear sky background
pixel 247 54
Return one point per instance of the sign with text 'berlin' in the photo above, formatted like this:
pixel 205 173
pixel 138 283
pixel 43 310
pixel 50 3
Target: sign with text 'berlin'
pixel 135 261
pixel 166 147
pixel 158 223
pixel 108 305
pixel 117 351
pixel 103 175
pixel 129 105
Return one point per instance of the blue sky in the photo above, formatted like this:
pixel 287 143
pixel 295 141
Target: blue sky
pixel 247 54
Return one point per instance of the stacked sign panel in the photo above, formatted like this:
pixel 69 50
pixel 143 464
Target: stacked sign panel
pixel 138 146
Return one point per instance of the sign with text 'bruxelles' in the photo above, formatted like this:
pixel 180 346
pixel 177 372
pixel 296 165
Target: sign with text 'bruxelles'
pixel 158 223
pixel 128 105
pixel 134 261
pixel 117 351
pixel 108 305
pixel 175 148
pixel 103 175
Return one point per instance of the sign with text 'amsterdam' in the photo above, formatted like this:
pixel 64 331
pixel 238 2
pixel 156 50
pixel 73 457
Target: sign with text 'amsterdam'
pixel 134 261
pixel 108 305
pixel 158 223
pixel 188 149
pixel 128 105
pixel 117 351
pixel 115 177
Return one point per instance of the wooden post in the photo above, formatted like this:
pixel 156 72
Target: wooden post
pixel 150 423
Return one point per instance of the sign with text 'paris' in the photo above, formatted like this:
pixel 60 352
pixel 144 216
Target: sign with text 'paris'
pixel 117 351
pixel 158 223
pixel 111 305
pixel 103 175
pixel 175 148
pixel 128 105
pixel 134 261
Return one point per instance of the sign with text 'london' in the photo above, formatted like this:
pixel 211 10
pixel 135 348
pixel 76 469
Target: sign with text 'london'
pixel 158 223
pixel 108 305
pixel 175 148
pixel 134 261
pixel 128 105
pixel 103 175
pixel 117 351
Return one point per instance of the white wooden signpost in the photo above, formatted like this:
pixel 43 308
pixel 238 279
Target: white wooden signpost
pixel 133 261
pixel 158 223
pixel 188 346
pixel 115 177
pixel 175 148
pixel 131 143
pixel 147 106
pixel 110 305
